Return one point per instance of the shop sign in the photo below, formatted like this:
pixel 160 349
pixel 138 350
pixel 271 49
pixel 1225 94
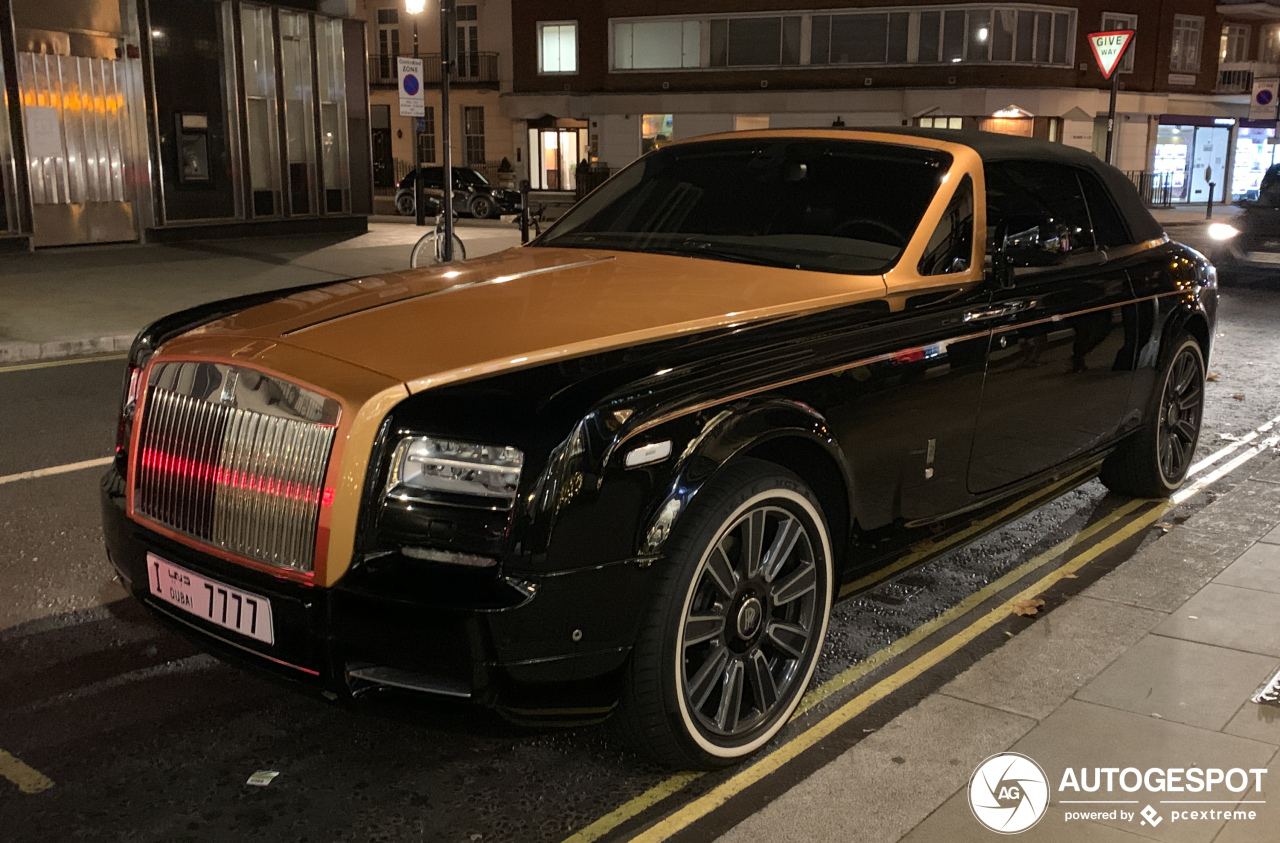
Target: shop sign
pixel 1262 105
pixel 1108 47
pixel 412 102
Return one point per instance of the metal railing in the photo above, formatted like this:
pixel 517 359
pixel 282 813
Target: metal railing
pixel 1156 189
pixel 468 69
pixel 588 179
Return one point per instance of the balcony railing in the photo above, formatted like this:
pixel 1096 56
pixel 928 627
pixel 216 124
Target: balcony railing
pixel 1236 77
pixel 468 69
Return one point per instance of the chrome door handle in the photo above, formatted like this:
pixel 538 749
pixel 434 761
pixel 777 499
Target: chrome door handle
pixel 996 311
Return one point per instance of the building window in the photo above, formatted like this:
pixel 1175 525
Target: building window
pixel 331 73
pixel 1269 44
pixel 1114 21
pixel 1234 45
pixel 388 43
pixel 655 131
pixel 473 135
pixel 299 113
pixel 558 47
pixel 940 122
pixel 750 122
pixel 427 138
pixel 647 45
pixel 748 42
pixel 258 54
pixel 1188 34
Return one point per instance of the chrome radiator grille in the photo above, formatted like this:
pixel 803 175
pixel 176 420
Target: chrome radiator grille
pixel 236 459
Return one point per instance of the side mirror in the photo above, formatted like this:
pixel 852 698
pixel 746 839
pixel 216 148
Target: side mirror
pixel 1033 241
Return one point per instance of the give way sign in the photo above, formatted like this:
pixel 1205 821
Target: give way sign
pixel 1108 47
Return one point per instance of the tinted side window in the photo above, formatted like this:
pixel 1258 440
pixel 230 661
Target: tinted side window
pixel 1036 188
pixel 1109 228
pixel 951 245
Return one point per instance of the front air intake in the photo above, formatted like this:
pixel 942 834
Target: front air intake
pixel 236 459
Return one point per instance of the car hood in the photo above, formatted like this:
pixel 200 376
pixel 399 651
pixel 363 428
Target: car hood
pixel 523 307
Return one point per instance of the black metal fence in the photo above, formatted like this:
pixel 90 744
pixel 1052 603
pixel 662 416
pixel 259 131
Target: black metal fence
pixel 589 178
pixel 468 69
pixel 1156 189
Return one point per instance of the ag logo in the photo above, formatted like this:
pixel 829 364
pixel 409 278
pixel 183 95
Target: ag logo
pixel 1008 793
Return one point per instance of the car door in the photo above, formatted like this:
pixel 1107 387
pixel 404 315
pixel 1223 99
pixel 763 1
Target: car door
pixel 1059 367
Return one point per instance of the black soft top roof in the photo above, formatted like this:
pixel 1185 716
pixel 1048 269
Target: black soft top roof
pixel 991 146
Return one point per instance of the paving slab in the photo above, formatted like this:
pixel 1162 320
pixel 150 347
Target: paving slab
pixel 1267 825
pixel 1083 734
pixel 1236 618
pixel 1249 512
pixel 889 782
pixel 1269 474
pixel 954 823
pixel 1165 574
pixel 1257 568
pixel 1040 668
pixel 1183 681
pixel 1272 537
pixel 1258 722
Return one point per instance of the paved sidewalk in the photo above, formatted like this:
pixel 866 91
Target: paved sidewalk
pixel 1180 215
pixel 94 299
pixel 1152 666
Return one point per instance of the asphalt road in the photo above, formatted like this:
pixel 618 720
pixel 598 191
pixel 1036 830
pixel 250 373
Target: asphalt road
pixel 144 738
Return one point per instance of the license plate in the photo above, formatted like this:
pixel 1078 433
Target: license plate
pixel 1262 257
pixel 240 611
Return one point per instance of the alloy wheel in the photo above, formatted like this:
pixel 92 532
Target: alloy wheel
pixel 1180 410
pixel 748 630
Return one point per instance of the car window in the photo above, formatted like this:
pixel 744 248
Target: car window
pixel 1037 188
pixel 1109 228
pixel 828 206
pixel 950 247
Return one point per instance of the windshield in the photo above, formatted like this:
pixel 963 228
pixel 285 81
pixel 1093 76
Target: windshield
pixel 823 205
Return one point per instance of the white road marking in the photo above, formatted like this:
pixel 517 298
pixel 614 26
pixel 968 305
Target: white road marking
pixel 1233 447
pixel 1218 473
pixel 55 469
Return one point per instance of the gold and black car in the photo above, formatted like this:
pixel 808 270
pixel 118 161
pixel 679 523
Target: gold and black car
pixel 630 464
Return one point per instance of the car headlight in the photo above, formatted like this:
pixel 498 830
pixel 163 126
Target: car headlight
pixel 426 468
pixel 1222 231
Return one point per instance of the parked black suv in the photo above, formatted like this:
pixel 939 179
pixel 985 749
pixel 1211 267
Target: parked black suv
pixel 472 194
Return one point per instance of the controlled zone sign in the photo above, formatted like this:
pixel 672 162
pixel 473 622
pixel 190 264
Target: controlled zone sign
pixel 1108 47
pixel 412 102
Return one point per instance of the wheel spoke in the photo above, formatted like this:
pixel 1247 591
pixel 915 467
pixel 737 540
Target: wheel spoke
pixel 700 628
pixel 1178 453
pixel 790 638
pixel 1183 372
pixel 1166 454
pixel 730 697
pixel 704 680
pixel 762 684
pixel 1190 400
pixel 784 541
pixel 720 569
pixel 795 586
pixel 754 529
pixel 1186 431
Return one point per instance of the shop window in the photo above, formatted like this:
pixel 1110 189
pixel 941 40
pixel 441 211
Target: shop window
pixel 299 110
pixel 755 41
pixel 473 135
pixel 1188 36
pixel 940 122
pixel 1234 44
pixel 1113 21
pixel 647 45
pixel 656 131
pixel 331 73
pixel 558 47
pixel 258 51
pixel 750 122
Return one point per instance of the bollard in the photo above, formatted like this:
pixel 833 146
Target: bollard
pixel 524 211
pixel 1208 209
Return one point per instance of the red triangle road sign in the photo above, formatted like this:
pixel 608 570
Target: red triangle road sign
pixel 1108 47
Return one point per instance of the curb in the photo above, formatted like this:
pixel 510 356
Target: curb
pixel 30 352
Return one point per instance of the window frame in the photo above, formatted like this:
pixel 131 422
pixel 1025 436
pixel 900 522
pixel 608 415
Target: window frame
pixel 577 50
pixel 1180 25
pixel 469 136
pixel 1230 29
pixel 1112 21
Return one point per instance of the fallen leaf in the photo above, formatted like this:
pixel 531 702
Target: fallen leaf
pixel 1164 525
pixel 1229 437
pixel 1211 377
pixel 1027 608
pixel 1070 577
pixel 1239 396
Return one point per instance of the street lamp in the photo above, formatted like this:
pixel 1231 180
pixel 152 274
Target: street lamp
pixel 415 8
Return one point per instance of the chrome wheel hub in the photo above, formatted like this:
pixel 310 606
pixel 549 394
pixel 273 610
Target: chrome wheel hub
pixel 750 613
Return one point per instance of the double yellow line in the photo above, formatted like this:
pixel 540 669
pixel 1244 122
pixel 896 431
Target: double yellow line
pixel 770 763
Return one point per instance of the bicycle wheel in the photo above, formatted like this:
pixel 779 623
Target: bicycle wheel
pixel 427 251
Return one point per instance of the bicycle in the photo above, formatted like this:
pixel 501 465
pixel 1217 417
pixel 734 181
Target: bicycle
pixel 431 245
pixel 537 216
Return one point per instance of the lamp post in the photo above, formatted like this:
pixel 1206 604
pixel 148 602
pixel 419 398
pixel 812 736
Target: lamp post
pixel 446 64
pixel 414 8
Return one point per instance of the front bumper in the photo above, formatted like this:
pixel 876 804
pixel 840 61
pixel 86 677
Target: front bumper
pixel 522 643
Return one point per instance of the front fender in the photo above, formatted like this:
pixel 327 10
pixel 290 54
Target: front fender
pixel 771 426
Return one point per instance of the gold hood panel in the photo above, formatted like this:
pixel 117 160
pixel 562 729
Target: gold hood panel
pixel 526 306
